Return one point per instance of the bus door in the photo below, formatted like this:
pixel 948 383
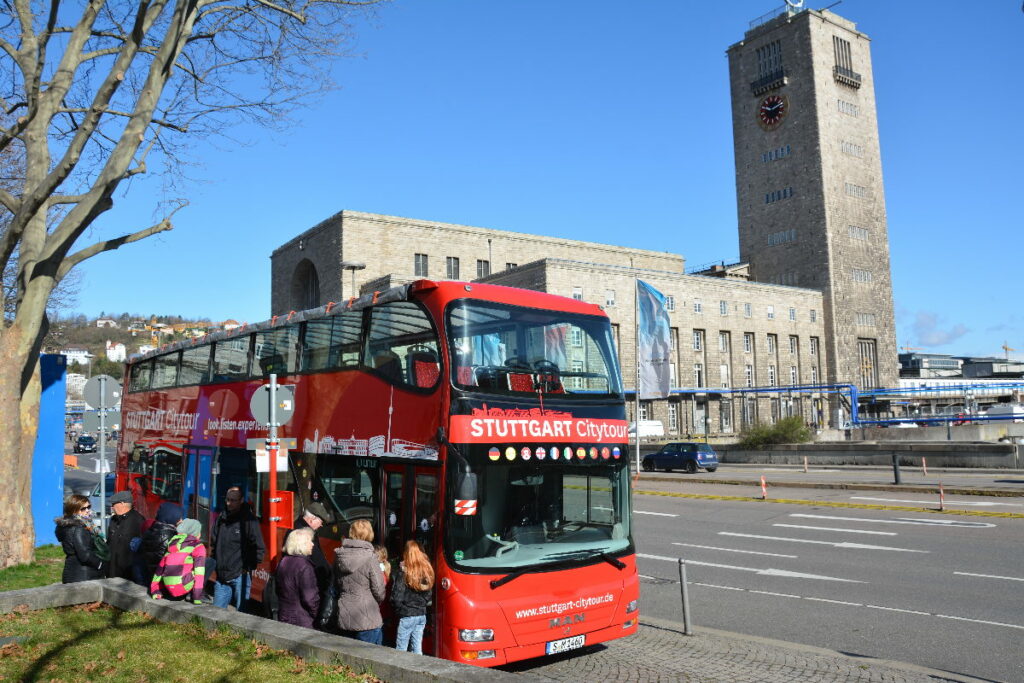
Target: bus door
pixel 197 499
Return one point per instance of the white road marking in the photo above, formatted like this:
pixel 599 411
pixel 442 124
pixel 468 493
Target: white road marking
pixel 852 546
pixel 845 531
pixel 641 512
pixel 793 469
pixel 866 606
pixel 900 520
pixel 990 576
pixel 753 570
pixel 980 504
pixel 733 550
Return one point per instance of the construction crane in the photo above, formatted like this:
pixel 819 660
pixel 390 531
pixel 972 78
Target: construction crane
pixel 911 348
pixel 1007 349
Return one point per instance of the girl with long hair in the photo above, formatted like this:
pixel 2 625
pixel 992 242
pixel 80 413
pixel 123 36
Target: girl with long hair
pixel 411 596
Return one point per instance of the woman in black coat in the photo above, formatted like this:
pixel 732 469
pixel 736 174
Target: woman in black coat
pixel 77 537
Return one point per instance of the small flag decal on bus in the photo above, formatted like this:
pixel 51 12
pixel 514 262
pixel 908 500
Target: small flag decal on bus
pixel 465 507
pixel 616 453
pixel 581 452
pixel 510 453
pixel 593 452
pixel 541 453
pixel 605 453
pixel 568 452
pixel 494 453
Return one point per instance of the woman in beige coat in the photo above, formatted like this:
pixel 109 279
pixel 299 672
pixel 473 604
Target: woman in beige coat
pixel 360 585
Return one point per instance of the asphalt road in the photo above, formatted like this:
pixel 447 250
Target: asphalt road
pixel 939 590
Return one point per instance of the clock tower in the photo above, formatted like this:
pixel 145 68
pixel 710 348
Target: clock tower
pixel 809 187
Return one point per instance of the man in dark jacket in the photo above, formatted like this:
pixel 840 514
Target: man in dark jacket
pixel 125 524
pixel 158 536
pixel 314 517
pixel 238 549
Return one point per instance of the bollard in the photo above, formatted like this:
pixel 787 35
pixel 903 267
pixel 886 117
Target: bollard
pixel 924 466
pixel 896 468
pixel 942 498
pixel 764 488
pixel 805 464
pixel 685 594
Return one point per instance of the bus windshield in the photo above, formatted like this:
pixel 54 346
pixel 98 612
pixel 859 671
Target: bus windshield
pixel 508 350
pixel 540 512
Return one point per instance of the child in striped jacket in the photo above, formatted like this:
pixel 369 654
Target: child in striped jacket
pixel 182 570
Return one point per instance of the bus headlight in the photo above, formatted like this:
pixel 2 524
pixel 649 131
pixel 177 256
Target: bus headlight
pixel 478 654
pixel 476 635
pixel 631 606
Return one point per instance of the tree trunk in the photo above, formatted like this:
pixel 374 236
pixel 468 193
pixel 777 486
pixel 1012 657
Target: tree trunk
pixel 19 423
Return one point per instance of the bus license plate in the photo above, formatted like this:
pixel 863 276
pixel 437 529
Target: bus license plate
pixel 565 644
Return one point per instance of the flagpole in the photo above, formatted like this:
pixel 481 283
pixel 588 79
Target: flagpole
pixel 636 377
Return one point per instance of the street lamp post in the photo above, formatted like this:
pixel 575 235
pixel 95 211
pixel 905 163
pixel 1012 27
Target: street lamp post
pixel 353 266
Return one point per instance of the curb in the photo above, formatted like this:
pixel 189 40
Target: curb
pixel 854 660
pixel 852 486
pixel 384 662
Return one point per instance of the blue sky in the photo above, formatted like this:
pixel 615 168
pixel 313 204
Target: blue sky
pixel 604 121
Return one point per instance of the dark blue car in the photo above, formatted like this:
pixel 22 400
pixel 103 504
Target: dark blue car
pixel 682 455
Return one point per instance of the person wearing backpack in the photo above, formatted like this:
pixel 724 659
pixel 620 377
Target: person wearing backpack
pixel 411 596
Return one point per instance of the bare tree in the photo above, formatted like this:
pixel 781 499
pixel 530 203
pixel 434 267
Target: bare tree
pixel 95 93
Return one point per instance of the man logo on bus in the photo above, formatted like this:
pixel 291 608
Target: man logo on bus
pixel 540 453
pixel 494 453
pixel 525 453
pixel 567 620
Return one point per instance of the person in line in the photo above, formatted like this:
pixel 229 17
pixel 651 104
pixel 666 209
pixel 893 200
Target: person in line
pixel 125 524
pixel 238 549
pixel 156 539
pixel 78 538
pixel 182 570
pixel 360 583
pixel 313 518
pixel 411 595
pixel 385 565
pixel 298 596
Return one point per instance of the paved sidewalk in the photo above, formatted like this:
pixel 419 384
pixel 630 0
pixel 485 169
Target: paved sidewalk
pixel 661 652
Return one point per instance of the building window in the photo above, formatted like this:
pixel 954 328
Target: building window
pixel 723 374
pixel 854 190
pixel 774 154
pixel 452 267
pixel 483 268
pixel 698 374
pixel 698 340
pixel 792 314
pixel 851 149
pixel 771 313
pixel 794 344
pixel 814 346
pixel 748 310
pixel 577 293
pixel 769 59
pixel 673 417
pixel 609 297
pixel 748 375
pixel 794 378
pixel 646 409
pixel 748 342
pixel 859 233
pixel 576 335
pixel 771 343
pixel 577 368
pixel 814 374
pixel 672 374
pixel 782 237
pixel 419 265
pixel 723 308
pixel 865 319
pixel 723 342
pixel 778 195
pixel 725 416
pixel 814 316
pixel 510 266
pixel 843 70
pixel 670 303
pixel 698 307
pixel 771 375
pixel 868 352
pixel 848 108
pixel 863 276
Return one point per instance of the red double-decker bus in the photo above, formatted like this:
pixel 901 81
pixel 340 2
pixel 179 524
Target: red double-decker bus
pixel 485 422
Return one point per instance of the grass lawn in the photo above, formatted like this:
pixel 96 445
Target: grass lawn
pixel 95 642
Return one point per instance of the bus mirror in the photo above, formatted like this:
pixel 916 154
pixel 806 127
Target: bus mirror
pixel 466 488
pixel 525 478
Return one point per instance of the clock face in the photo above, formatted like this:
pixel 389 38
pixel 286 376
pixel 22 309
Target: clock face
pixel 772 110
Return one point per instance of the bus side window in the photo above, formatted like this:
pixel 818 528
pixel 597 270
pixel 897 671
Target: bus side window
pixel 230 359
pixel 195 365
pixel 165 371
pixel 274 351
pixel 141 376
pixel 402 345
pixel 348 490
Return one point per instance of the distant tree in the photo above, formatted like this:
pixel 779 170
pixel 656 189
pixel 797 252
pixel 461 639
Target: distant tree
pixel 95 93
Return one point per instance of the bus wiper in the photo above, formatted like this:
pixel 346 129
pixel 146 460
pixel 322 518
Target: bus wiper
pixel 568 561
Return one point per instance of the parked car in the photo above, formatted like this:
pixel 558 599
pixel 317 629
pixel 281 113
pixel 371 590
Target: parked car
pixel 94 497
pixel 682 455
pixel 85 444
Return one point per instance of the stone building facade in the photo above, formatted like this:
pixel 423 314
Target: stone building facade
pixel 809 181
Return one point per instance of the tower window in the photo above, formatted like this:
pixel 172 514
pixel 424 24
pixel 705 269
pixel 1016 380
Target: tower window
pixel 848 108
pixel 868 352
pixel 865 319
pixel 782 237
pixel 770 73
pixel 859 233
pixel 852 149
pixel 670 303
pixel 862 275
pixel 858 191
pixel 452 267
pixel 777 153
pixel 778 195
pixel 843 70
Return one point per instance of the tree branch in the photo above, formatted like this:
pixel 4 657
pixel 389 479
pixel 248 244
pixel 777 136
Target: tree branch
pixel 73 260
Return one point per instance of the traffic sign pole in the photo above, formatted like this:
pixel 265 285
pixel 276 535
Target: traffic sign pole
pixel 272 447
